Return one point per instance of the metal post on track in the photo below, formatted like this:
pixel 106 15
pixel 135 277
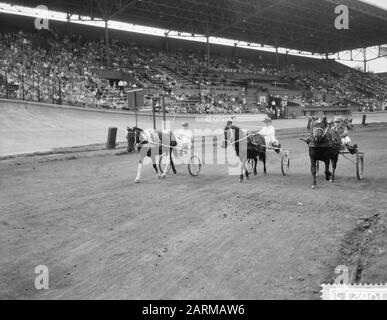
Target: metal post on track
pixel 364 121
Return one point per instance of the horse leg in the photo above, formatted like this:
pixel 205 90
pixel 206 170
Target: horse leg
pixel 164 174
pixel 171 161
pixel 140 161
pixel 328 174
pixel 242 168
pixel 334 165
pixel 264 163
pixel 248 162
pixel 246 171
pixel 138 177
pixel 155 166
pixel 314 171
pixel 255 165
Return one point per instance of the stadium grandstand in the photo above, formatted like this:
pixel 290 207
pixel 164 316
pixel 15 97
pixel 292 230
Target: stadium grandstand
pixel 74 63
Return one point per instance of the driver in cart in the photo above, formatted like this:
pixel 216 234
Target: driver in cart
pixel 342 130
pixel 184 137
pixel 268 132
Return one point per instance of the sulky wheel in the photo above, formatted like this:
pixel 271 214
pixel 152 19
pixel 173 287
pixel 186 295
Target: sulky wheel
pixel 194 166
pixel 163 162
pixel 285 164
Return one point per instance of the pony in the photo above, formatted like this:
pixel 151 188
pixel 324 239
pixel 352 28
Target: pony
pixel 256 149
pixel 248 147
pixel 151 143
pixel 324 145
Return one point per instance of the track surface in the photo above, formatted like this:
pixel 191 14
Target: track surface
pixel 102 236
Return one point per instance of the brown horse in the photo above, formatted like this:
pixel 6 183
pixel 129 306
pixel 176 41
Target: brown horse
pixel 256 150
pixel 247 146
pixel 324 145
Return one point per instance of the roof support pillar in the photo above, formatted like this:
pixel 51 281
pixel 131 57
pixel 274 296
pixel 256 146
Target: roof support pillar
pixel 69 25
pixel 105 13
pixel 277 63
pixel 107 43
pixel 208 53
pixel 208 46
pixel 166 43
pixel 365 59
pixel 234 51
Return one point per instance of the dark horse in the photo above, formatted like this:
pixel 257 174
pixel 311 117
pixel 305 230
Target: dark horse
pixel 153 144
pixel 324 145
pixel 256 149
pixel 248 147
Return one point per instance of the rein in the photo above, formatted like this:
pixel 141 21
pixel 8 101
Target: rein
pixel 145 142
pixel 245 138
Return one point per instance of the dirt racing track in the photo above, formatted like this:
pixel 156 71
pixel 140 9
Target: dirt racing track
pixel 210 237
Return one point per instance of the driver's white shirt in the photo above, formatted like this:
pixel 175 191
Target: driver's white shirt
pixel 184 138
pixel 269 134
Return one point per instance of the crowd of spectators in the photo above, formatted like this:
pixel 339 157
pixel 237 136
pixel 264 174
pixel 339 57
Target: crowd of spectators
pixel 212 104
pixel 61 69
pixel 352 88
pixel 194 68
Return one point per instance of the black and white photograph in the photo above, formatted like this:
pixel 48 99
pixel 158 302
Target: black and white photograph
pixel 208 151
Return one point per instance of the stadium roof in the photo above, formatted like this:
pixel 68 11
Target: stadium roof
pixel 305 25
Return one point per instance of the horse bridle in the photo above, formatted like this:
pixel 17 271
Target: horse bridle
pixel 325 131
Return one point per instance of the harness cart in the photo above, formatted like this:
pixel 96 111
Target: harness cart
pixel 285 159
pixel 358 162
pixel 194 163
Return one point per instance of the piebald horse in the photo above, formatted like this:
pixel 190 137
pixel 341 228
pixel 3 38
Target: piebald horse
pixel 241 141
pixel 151 143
